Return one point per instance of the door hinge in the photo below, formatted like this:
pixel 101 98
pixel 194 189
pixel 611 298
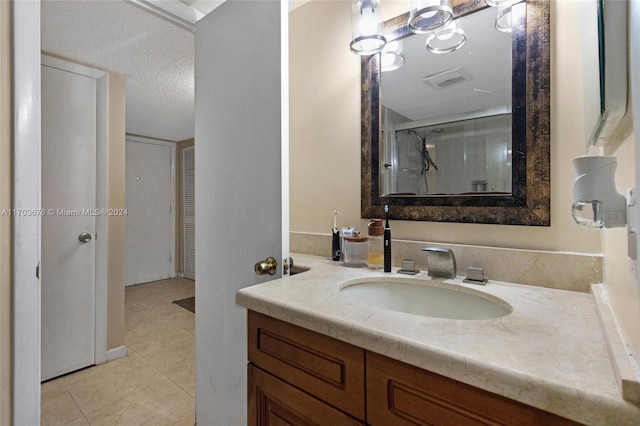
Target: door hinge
pixel 38 270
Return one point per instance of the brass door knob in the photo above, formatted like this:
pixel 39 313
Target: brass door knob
pixel 268 266
pixel 85 237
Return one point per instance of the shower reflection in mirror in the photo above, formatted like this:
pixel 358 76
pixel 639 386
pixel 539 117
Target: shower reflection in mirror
pixel 469 156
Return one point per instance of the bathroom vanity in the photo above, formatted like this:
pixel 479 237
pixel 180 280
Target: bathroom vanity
pixel 301 376
pixel 319 357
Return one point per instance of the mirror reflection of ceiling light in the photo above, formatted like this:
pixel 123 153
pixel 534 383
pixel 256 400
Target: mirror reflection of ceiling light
pixel 501 3
pixel 447 40
pixel 392 56
pixel 503 21
pixel 429 15
pixel 366 28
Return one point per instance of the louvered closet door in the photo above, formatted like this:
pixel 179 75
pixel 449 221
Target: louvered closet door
pixel 189 214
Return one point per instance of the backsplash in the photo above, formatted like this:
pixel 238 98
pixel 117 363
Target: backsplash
pixel 560 270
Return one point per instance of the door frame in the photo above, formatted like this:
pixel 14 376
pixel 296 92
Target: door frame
pixel 26 118
pixel 172 147
pixel 101 235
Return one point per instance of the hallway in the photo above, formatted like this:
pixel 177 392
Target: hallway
pixel 155 384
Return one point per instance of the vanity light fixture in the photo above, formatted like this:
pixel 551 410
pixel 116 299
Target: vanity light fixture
pixel 392 56
pixel 446 40
pixel 426 16
pixel 366 28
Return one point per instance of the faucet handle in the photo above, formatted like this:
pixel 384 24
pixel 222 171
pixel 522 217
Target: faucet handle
pixel 441 262
pixel 437 249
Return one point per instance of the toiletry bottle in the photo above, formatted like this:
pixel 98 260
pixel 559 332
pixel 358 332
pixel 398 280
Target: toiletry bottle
pixel 335 240
pixel 355 250
pixel 387 241
pixel 376 244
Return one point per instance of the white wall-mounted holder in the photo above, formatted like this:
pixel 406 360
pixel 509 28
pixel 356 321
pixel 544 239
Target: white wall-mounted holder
pixel 596 201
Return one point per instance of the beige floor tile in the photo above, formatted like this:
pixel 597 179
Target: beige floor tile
pixel 113 384
pixel 151 339
pixel 177 362
pixel 161 404
pixel 182 318
pixel 189 420
pixel 154 385
pixel 59 409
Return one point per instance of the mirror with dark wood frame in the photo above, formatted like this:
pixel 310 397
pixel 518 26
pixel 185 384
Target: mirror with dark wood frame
pixel 528 200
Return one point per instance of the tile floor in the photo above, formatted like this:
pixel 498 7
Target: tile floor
pixel 154 385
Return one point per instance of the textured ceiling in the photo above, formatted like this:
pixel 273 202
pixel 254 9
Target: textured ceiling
pixel 156 57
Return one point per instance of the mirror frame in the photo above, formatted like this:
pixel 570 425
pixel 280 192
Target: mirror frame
pixel 529 201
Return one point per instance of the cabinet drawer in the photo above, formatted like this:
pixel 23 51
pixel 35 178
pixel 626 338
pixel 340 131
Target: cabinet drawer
pixel 327 368
pixel 274 402
pixel 401 394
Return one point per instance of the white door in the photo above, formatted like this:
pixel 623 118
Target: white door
pixel 150 227
pixel 68 199
pixel 240 133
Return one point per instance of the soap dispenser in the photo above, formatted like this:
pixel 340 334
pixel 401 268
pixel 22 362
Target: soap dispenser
pixel 376 244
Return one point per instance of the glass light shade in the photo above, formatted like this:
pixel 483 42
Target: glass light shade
pixel 426 16
pixel 366 28
pixel 392 56
pixel 447 40
pixel 501 3
pixel 503 21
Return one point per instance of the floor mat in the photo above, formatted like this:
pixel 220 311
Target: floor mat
pixel 189 303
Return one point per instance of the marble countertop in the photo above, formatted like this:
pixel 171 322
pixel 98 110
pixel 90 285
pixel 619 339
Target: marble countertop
pixel 549 352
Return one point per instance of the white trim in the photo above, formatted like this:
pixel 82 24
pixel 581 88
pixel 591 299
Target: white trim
pixel 119 352
pixel 101 237
pixel 26 229
pixel 143 139
pixel 284 123
pixel 72 67
pixel 178 16
pixel 172 147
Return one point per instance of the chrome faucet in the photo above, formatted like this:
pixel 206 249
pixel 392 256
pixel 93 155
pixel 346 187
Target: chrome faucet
pixel 441 262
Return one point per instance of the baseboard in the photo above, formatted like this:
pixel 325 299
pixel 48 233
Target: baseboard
pixel 180 275
pixel 119 352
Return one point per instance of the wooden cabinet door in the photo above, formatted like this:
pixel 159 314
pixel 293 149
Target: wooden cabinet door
pixel 399 394
pixel 273 402
pixel 327 368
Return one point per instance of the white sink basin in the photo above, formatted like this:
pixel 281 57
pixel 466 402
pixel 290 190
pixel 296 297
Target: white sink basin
pixel 429 298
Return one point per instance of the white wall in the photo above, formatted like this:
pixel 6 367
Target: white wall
pixel 620 273
pixel 325 135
